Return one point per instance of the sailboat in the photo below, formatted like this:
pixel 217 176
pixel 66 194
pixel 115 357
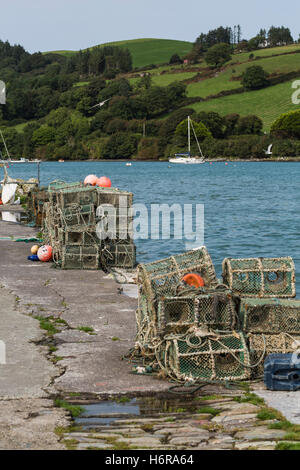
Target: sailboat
pixel 9 160
pixel 186 158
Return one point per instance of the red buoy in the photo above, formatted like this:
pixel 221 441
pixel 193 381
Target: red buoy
pixel 194 280
pixel 45 253
pixel 104 182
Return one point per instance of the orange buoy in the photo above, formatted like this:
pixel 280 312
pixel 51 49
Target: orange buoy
pixel 91 180
pixel 34 249
pixel 194 280
pixel 104 182
pixel 45 253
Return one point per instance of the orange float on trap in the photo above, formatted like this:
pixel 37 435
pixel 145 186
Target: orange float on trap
pixel 104 182
pixel 194 280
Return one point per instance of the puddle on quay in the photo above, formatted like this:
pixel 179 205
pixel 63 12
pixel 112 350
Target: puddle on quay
pixel 107 412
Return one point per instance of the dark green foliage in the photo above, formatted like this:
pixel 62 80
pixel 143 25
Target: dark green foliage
pixel 215 36
pixel 148 149
pixel 254 78
pixel 287 125
pixel 219 54
pixel 200 129
pixel 214 122
pixel 120 145
pixel 175 59
pixel 249 125
pixel 280 36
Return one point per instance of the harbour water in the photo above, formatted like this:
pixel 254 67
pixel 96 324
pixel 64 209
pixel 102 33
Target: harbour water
pixel 251 208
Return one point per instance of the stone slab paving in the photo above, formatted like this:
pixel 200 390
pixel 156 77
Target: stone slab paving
pixel 243 430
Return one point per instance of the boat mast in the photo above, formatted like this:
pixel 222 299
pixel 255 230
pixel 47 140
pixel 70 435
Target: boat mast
pixel 7 152
pixel 189 135
pixel 197 140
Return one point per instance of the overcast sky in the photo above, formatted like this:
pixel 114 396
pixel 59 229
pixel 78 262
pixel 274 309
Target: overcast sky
pixel 76 24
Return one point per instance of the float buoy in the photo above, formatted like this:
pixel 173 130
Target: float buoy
pixel 45 253
pixel 34 249
pixel 33 258
pixel 91 180
pixel 194 280
pixel 104 182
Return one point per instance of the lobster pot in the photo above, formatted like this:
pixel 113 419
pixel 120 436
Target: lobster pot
pixel 217 310
pixel 77 195
pixel 261 345
pixel 270 315
pixel 120 255
pixel 80 257
pixel 176 314
pixel 56 186
pixel 146 329
pixel 162 278
pixel 260 277
pixel 222 358
pixel 114 197
pixel 78 235
pixel 115 226
pixel 78 215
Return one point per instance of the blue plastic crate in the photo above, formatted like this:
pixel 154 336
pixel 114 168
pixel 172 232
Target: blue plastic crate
pixel 282 372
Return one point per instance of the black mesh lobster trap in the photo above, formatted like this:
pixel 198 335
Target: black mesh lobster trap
pixel 78 215
pixel 203 356
pixel 80 257
pixel 216 309
pixel 120 255
pixel 270 315
pixel 260 277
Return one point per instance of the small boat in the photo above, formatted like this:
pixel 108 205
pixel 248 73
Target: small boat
pixel 128 164
pixel 61 161
pixel 186 158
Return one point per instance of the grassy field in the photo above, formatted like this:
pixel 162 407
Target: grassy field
pixel 166 79
pixel 147 51
pixel 282 64
pixel 267 103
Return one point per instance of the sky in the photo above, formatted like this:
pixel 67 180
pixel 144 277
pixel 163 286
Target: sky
pixel 45 25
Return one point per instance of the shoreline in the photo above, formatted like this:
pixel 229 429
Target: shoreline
pixel 214 160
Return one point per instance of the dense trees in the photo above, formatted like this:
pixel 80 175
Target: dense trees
pixel 219 54
pixel 279 36
pixel 254 78
pixel 213 37
pixel 287 125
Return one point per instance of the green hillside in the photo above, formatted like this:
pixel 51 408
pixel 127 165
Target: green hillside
pixel 267 103
pixel 146 51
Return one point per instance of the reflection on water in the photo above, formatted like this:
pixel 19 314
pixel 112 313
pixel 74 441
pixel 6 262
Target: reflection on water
pixel 10 217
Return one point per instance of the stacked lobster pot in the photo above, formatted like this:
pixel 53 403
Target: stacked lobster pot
pixel 218 331
pixel 189 332
pixel 268 314
pixel 89 227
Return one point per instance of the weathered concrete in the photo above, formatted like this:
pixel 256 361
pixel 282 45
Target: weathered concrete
pixel 26 371
pixel 29 424
pixel 92 363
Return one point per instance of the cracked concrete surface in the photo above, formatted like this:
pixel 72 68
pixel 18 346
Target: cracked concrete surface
pixel 89 364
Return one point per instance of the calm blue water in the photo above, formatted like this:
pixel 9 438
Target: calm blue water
pixel 251 209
